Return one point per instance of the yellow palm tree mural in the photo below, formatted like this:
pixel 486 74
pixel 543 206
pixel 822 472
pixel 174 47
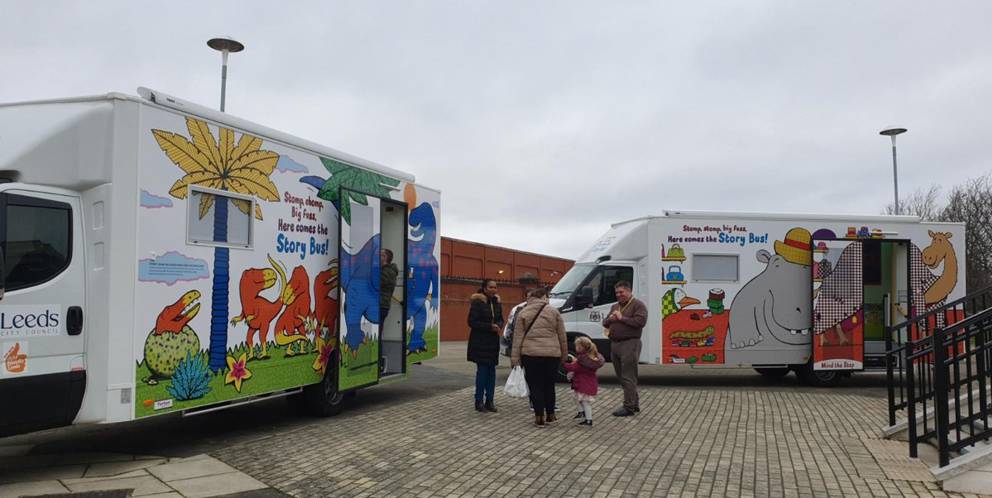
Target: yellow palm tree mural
pixel 241 167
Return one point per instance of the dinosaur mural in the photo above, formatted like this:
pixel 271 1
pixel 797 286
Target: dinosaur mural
pixel 423 272
pixel 360 281
pixel 256 311
pixel 172 338
pixel 296 319
pixel 325 307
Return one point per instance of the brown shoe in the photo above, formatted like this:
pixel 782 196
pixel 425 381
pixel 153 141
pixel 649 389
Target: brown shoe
pixel 551 419
pixel 539 421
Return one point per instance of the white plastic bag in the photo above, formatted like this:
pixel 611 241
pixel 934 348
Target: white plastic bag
pixel 516 384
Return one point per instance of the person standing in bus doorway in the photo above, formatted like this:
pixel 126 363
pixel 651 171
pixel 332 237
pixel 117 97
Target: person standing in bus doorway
pixel 485 317
pixel 624 325
pixel 387 283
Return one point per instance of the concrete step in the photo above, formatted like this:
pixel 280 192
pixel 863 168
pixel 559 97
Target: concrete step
pixel 968 473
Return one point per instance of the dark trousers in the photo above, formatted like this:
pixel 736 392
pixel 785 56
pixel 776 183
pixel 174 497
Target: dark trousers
pixel 541 373
pixel 624 356
pixel 485 381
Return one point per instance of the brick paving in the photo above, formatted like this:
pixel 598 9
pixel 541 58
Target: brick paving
pixel 714 442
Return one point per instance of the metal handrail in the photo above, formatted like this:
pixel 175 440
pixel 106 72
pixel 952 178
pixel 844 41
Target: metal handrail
pixel 895 346
pixel 950 361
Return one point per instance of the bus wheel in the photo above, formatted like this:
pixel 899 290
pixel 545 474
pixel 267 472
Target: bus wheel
pixel 323 399
pixel 772 372
pixel 818 378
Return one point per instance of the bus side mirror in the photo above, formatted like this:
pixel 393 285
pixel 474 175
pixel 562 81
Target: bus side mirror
pixel 583 298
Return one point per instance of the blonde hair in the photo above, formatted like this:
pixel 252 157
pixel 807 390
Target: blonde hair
pixel 591 350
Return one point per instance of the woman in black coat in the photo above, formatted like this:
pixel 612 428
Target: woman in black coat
pixel 485 317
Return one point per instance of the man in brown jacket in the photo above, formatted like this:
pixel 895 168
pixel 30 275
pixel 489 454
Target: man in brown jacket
pixel 624 326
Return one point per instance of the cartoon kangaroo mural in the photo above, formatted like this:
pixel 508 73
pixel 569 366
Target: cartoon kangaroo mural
pixel 296 319
pixel 940 249
pixel 257 311
pixel 768 310
pixel 423 272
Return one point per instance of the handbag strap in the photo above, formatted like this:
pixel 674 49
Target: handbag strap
pixel 538 314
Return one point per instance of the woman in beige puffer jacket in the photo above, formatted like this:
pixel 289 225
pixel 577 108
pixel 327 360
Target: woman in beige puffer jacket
pixel 540 346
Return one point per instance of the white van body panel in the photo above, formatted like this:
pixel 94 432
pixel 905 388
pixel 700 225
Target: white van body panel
pixel 749 241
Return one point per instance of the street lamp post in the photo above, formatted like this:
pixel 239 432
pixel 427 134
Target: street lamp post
pixel 224 46
pixel 892 133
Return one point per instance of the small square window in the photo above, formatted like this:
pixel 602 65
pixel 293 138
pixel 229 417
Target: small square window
pixel 219 218
pixel 714 267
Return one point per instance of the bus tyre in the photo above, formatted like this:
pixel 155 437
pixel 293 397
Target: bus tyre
pixel 772 372
pixel 323 399
pixel 817 378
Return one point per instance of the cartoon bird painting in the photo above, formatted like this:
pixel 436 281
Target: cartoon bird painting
pixel 675 300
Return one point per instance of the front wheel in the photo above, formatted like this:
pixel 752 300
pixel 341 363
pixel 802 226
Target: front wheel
pixel 817 378
pixel 323 399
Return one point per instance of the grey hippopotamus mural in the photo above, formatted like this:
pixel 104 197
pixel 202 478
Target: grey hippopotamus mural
pixel 773 311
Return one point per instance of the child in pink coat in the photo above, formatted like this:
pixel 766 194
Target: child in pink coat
pixel 582 369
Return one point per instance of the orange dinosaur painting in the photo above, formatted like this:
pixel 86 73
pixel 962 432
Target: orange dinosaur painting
pixel 257 311
pixel 325 307
pixel 940 250
pixel 292 326
pixel 174 317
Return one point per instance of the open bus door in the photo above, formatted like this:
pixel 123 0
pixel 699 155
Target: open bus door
pixel 360 228
pixel 859 287
pixel 838 305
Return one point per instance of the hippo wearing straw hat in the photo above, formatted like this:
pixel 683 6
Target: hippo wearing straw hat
pixel 774 309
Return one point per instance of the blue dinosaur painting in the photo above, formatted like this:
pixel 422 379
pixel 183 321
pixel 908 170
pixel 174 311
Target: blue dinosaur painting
pixel 423 271
pixel 422 264
pixel 360 282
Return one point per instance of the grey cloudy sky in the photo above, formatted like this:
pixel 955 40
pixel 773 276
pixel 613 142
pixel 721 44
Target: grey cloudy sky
pixel 543 122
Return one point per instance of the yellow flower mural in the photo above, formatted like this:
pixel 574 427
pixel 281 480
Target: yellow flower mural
pixel 237 371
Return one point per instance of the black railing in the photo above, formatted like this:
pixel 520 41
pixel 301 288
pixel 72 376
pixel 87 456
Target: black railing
pixel 918 328
pixel 947 374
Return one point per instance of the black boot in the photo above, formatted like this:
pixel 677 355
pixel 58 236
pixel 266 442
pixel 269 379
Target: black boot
pixel 490 406
pixel 479 407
